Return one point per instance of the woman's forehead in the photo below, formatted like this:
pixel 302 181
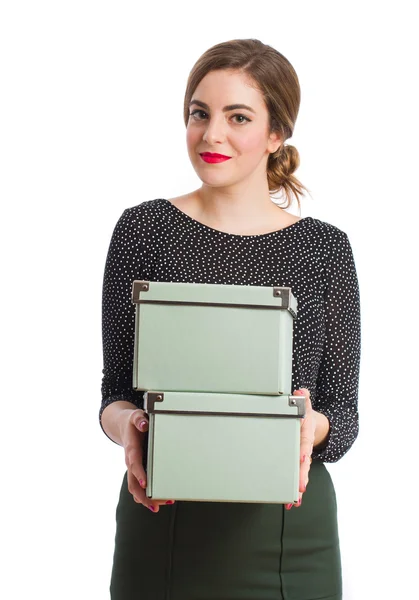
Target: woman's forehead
pixel 219 89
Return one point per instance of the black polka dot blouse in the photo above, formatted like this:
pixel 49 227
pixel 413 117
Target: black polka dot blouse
pixel 157 241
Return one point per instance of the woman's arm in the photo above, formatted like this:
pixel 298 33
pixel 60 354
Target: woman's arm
pixel 336 397
pixel 124 261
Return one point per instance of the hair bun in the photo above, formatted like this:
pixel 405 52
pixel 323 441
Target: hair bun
pixel 281 166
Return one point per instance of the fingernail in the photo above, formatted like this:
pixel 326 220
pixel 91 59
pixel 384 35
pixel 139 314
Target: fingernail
pixel 151 507
pixel 143 424
pixel 288 506
pixel 142 482
pixel 170 502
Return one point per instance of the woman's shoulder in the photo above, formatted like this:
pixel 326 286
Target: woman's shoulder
pixel 329 240
pixel 138 222
pixel 325 228
pixel 146 207
pixel 148 212
pixel 323 233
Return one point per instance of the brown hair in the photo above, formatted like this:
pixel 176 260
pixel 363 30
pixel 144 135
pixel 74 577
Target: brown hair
pixel 277 80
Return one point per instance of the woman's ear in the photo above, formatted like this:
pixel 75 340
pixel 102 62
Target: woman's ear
pixel 275 142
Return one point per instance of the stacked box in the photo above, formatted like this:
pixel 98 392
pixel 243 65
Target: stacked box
pixel 215 363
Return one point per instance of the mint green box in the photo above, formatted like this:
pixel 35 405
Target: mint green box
pixel 213 337
pixel 223 447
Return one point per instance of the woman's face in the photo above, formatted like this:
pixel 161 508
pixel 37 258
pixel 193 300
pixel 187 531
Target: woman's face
pixel 215 126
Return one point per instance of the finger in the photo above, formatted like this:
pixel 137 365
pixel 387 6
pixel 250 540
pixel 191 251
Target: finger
pixel 134 461
pixel 307 436
pixel 135 489
pixel 156 504
pixel 164 502
pixel 306 444
pixel 305 463
pixel 142 425
pixel 139 494
pixel 304 473
pixel 140 419
pixel 302 392
pixel 140 497
pixel 134 449
pixel 295 504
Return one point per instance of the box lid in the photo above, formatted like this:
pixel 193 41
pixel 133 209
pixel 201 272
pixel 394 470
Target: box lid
pixel 285 405
pixel 214 294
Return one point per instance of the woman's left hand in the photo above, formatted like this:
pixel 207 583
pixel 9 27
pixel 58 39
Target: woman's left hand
pixel 308 430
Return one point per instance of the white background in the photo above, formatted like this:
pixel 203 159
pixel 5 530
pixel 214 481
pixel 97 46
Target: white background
pixel 92 123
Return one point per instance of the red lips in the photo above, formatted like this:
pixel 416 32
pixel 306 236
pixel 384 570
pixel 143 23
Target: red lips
pixel 210 157
pixel 214 155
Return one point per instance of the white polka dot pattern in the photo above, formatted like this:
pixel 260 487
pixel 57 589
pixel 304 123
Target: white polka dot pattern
pixel 157 241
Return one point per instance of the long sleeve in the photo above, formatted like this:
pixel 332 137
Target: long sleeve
pixel 124 263
pixel 338 375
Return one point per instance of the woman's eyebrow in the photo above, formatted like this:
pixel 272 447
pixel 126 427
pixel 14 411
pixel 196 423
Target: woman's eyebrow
pixel 225 109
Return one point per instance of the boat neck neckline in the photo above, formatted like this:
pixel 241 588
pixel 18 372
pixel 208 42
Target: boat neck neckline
pixel 235 235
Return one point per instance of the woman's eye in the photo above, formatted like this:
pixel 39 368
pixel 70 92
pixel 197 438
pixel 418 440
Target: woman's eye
pixel 194 114
pixel 242 117
pixel 197 112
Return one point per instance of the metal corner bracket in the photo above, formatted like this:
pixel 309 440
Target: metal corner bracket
pixel 150 398
pixel 139 286
pixel 300 403
pixel 285 294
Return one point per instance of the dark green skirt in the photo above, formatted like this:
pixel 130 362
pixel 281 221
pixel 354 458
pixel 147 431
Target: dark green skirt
pixel 229 551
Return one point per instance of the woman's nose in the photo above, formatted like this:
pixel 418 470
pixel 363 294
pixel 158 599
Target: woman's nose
pixel 215 131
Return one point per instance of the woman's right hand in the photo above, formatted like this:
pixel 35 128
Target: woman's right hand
pixel 133 426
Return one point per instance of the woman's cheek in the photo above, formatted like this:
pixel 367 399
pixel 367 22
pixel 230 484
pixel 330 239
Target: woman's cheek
pixel 192 137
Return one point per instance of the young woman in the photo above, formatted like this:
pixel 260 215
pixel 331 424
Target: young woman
pixel 241 104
